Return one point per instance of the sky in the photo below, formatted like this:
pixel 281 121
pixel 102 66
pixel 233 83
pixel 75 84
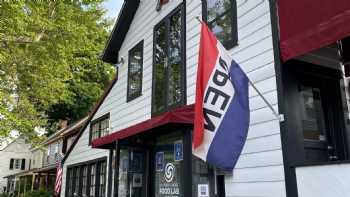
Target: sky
pixel 113 7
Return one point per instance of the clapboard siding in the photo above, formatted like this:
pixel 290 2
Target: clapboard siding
pixel 18 149
pixel 259 171
pixel 82 152
pixel 122 113
pixel 256 189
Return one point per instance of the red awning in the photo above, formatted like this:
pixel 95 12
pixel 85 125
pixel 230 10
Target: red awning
pixel 306 25
pixel 181 115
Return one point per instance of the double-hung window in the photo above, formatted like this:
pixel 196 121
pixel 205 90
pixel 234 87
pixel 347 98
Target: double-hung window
pixel 92 180
pixel 87 179
pixel 221 17
pixel 102 179
pixel 169 63
pixel 135 72
pixel 99 127
pixel 17 164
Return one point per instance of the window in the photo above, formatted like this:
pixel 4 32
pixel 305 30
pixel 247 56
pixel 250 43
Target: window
pixel 84 180
pixel 221 17
pixel 169 63
pixel 87 179
pixel 99 127
pixel 17 164
pixel 69 184
pixel 76 181
pixel 316 122
pixel 135 72
pixel 92 178
pixel 102 179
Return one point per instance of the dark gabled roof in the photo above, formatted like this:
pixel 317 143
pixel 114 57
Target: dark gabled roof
pixel 121 28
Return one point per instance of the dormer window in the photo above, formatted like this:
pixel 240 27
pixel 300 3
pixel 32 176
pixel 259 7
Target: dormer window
pixel 99 127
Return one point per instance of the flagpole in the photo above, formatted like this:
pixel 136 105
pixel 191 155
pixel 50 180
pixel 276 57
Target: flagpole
pixel 280 117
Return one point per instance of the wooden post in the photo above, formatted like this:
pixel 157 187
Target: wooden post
pixel 33 181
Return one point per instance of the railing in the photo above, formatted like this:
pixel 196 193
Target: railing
pixel 49 159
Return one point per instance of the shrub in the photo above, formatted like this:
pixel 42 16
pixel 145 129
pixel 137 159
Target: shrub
pixel 41 193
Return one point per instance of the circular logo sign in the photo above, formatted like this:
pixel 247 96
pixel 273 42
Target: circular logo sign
pixel 169 172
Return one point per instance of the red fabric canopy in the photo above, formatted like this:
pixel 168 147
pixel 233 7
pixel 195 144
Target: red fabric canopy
pixel 181 115
pixel 306 25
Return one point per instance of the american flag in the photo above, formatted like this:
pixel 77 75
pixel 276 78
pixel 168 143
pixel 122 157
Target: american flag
pixel 59 173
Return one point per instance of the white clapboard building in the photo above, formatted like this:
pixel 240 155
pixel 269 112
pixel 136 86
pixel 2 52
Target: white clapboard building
pixel 137 140
pixel 14 158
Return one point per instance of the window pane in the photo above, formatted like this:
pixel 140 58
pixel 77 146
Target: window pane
pixel 76 181
pixel 104 127
pixel 222 28
pixel 159 69
pixel 135 71
pixel 312 114
pixel 84 180
pixel 17 163
pixel 102 186
pixel 95 131
pixel 70 182
pixel 92 180
pixel 123 173
pixel 175 64
pixel 216 8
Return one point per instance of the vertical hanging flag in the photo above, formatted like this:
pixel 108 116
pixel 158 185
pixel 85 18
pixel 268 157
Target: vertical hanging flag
pixel 222 105
pixel 59 173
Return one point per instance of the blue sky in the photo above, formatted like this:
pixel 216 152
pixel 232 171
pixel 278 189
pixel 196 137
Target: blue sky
pixel 113 7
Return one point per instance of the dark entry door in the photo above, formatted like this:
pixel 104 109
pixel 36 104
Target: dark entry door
pixel 168 166
pixel 133 172
pixel 314 112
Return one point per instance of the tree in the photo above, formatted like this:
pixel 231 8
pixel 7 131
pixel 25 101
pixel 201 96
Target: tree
pixel 49 63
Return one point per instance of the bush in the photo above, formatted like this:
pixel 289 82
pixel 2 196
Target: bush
pixel 41 193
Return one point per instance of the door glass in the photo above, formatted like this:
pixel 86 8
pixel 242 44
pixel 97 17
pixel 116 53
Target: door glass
pixel 202 178
pixel 168 167
pixel 313 121
pixel 123 173
pixel 132 173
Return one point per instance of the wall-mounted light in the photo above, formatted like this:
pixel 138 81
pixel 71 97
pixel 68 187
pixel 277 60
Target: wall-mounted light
pixel 119 63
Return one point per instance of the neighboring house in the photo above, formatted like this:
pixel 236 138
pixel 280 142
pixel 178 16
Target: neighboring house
pixel 14 158
pixel 137 140
pixel 41 172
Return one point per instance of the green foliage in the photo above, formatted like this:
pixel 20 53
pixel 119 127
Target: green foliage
pixel 41 193
pixel 49 63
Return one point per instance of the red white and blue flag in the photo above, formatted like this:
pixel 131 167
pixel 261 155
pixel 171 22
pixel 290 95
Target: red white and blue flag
pixel 222 105
pixel 59 173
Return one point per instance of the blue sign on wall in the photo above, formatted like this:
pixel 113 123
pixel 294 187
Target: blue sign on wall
pixel 159 161
pixel 178 150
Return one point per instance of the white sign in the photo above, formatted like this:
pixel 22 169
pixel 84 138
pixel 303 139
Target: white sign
pixel 137 180
pixel 169 172
pixel 203 190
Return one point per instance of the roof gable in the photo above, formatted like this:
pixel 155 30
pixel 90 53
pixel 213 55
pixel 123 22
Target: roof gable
pixel 120 30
